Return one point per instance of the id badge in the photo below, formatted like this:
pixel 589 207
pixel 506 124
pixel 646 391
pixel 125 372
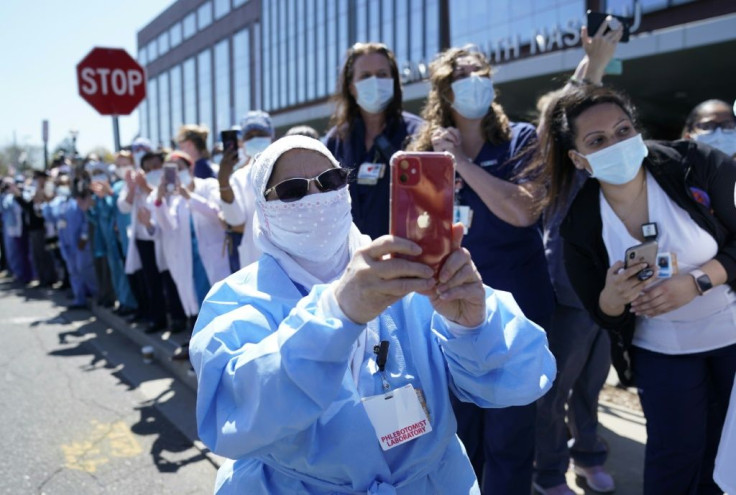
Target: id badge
pixel 463 214
pixel 369 173
pixel 397 416
pixel 667 265
pixel 61 224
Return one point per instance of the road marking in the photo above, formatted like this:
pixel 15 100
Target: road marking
pixel 102 443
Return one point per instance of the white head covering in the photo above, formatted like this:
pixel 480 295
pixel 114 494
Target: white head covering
pixel 312 238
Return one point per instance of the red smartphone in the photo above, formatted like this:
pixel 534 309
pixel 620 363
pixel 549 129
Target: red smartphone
pixel 422 202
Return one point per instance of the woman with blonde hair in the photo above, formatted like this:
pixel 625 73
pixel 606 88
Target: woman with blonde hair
pixel 497 205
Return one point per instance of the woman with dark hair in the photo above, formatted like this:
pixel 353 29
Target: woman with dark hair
pixel 712 122
pixel 368 127
pixel 503 238
pixel 673 333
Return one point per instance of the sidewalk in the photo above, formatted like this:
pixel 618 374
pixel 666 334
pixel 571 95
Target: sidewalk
pixel 621 425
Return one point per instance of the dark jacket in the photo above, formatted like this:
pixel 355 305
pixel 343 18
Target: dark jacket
pixel 697 178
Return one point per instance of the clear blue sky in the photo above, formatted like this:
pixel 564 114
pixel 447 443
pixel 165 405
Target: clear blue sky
pixel 42 42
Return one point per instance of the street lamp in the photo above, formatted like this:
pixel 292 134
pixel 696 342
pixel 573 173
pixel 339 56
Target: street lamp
pixel 74 133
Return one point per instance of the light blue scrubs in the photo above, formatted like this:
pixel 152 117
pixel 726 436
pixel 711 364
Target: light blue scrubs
pixel 79 262
pixel 276 394
pixel 104 215
pixel 122 220
pixel 11 221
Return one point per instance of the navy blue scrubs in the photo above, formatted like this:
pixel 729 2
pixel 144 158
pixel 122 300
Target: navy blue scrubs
pixel 500 442
pixel 370 203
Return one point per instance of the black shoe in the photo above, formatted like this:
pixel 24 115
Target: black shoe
pixel 123 311
pixel 72 307
pixel 178 326
pixel 135 317
pixel 181 354
pixel 155 327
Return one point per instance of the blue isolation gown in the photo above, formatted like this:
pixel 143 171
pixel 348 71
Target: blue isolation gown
pixel 104 214
pixel 72 226
pixel 277 396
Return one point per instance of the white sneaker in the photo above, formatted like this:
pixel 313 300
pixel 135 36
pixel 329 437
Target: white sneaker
pixel 596 478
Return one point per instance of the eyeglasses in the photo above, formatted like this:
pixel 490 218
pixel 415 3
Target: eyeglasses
pixel 298 187
pixel 711 126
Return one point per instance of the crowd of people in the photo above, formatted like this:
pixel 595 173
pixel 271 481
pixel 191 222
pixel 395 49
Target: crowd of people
pixel 303 311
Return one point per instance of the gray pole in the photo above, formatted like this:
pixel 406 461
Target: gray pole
pixel 116 132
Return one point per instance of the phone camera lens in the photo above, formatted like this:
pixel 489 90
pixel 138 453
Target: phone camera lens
pixel 403 178
pixel 631 256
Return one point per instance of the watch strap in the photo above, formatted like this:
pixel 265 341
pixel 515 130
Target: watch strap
pixel 702 281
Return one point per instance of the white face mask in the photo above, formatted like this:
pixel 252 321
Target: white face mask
pixel 619 163
pixel 256 145
pixel 137 155
pixel 63 191
pixel 375 93
pixel 48 189
pixel 121 171
pixel 724 140
pixel 314 228
pixel 154 177
pixel 473 96
pixel 185 178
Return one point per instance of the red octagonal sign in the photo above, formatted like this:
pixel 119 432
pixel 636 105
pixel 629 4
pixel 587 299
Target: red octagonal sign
pixel 111 81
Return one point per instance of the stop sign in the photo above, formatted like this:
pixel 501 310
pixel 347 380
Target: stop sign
pixel 111 81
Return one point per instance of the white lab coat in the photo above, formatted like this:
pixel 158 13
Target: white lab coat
pixel 175 236
pixel 241 211
pixel 205 208
pixel 135 231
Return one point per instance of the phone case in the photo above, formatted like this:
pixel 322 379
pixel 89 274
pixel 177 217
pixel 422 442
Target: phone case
pixel 229 140
pixel 169 177
pixel 595 19
pixel 422 200
pixel 645 252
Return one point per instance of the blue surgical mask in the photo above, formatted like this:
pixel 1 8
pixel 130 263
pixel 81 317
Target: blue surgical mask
pixel 63 191
pixel 375 93
pixel 256 145
pixel 473 96
pixel 619 163
pixel 720 139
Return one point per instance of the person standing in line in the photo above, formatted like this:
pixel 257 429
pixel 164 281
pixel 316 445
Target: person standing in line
pixel 580 346
pixel 192 140
pixel 496 204
pixel 236 198
pixel 369 125
pixel 31 203
pixel 20 265
pixel 712 122
pixel 671 325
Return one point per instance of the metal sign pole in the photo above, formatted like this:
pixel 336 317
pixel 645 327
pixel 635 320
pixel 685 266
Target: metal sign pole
pixel 116 132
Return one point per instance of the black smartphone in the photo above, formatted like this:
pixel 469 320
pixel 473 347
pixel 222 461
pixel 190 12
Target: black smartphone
pixel 595 19
pixel 229 140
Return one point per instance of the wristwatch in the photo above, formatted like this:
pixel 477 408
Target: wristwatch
pixel 702 281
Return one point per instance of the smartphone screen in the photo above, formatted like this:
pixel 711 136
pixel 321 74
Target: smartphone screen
pixel 595 19
pixel 171 170
pixel 422 200
pixel 229 140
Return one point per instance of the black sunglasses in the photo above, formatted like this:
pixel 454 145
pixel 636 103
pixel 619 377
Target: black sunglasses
pixel 298 187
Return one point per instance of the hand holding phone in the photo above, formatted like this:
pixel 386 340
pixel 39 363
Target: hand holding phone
pixel 645 252
pixel 171 172
pixel 596 19
pixel 229 141
pixel 422 200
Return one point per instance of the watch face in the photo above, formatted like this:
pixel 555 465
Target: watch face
pixel 704 283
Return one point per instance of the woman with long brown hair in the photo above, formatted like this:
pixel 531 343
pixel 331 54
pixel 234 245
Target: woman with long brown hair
pixel 368 127
pixel 671 325
pixel 503 237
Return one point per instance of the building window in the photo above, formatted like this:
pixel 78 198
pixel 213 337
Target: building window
pixel 152 51
pixel 281 67
pixel 204 15
pixel 142 58
pixel 374 20
pixel 163 43
pixel 300 53
pixel 266 33
pixel 222 7
pixel 291 50
pixel 190 25
pixel 256 64
pixel 361 21
pixel 153 133
pixel 416 31
pixel 175 34
pixel 223 115
pixel 387 24
pixel 190 92
pixel 204 85
pixel 311 60
pixel 321 50
pixel 176 99
pixel 238 3
pixel 241 72
pixel 163 108
pixel 143 116
pixel 331 47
